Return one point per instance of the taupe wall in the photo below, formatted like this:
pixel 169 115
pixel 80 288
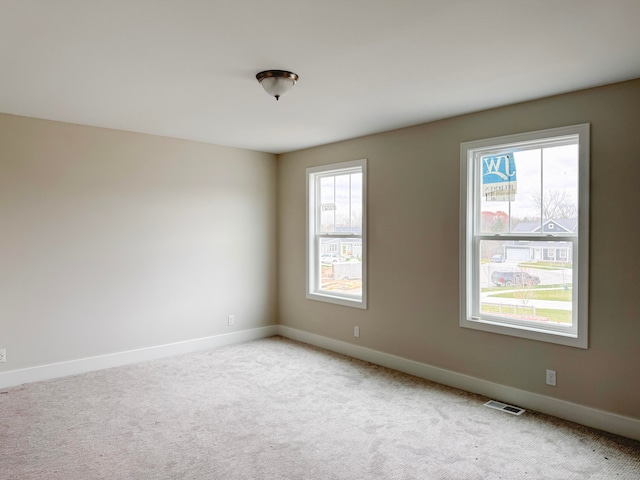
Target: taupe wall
pixel 112 241
pixel 414 184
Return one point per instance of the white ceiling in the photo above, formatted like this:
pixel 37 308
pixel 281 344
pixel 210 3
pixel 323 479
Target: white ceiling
pixel 186 68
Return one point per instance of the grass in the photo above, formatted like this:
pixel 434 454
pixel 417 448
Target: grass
pixel 561 316
pixel 545 265
pixel 540 265
pixel 559 295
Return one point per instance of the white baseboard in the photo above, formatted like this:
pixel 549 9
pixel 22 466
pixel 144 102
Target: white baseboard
pixel 591 417
pixel 82 365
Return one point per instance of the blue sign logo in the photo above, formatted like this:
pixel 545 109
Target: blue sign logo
pixel 499 177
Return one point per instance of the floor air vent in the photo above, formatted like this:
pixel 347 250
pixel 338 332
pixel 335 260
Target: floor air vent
pixel 504 407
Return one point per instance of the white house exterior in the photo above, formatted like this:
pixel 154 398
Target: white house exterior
pixel 551 251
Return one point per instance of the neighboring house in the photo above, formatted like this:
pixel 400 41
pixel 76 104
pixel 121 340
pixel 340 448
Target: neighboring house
pixel 343 246
pixel 550 251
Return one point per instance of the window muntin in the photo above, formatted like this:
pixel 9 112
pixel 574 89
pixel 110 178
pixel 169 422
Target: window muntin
pixel 336 253
pixel 525 204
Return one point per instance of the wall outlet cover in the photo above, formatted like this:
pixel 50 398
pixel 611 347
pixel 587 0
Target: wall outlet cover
pixel 551 378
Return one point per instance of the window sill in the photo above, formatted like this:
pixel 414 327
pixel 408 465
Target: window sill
pixel 347 302
pixel 531 333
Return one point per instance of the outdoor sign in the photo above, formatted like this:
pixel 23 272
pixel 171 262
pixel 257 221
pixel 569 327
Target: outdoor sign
pixel 499 178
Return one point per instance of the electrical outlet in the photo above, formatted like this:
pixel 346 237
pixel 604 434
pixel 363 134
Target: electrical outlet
pixel 356 331
pixel 3 355
pixel 232 320
pixel 551 378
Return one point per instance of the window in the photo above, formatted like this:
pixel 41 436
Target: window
pixel 525 201
pixel 336 240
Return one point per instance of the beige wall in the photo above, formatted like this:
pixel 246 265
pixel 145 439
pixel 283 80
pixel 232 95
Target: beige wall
pixel 112 241
pixel 414 182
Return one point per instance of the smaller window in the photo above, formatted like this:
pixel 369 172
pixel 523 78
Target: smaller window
pixel 336 238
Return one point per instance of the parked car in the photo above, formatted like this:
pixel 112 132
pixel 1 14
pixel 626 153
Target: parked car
pixel 510 279
pixel 497 259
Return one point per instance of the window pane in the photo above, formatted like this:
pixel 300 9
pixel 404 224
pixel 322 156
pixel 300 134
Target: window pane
pixel 356 203
pixel 559 201
pixel 524 209
pixel 327 205
pixel 340 265
pixel 341 203
pixel 527 281
pixel 536 192
pixel 509 187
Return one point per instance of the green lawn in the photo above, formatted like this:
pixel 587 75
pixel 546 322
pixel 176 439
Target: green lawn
pixel 561 316
pixel 540 265
pixel 545 265
pixel 497 289
pixel 560 295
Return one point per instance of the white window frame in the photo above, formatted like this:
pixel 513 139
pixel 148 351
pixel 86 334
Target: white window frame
pixel 314 292
pixel 470 316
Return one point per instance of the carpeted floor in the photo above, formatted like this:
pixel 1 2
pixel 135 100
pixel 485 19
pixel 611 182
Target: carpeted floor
pixel 277 409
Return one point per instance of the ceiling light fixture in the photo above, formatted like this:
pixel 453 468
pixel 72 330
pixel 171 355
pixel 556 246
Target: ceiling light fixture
pixel 277 82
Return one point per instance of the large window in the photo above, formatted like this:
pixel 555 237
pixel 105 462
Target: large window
pixel 336 240
pixel 524 235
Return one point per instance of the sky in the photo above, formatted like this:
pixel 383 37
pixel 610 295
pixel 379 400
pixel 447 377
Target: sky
pixel 558 168
pixel 345 192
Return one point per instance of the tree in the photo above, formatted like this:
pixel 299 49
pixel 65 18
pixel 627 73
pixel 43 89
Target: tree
pixel 555 204
pixel 495 221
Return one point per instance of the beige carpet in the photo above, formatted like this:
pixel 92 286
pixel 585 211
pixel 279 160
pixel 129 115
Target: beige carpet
pixel 277 409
